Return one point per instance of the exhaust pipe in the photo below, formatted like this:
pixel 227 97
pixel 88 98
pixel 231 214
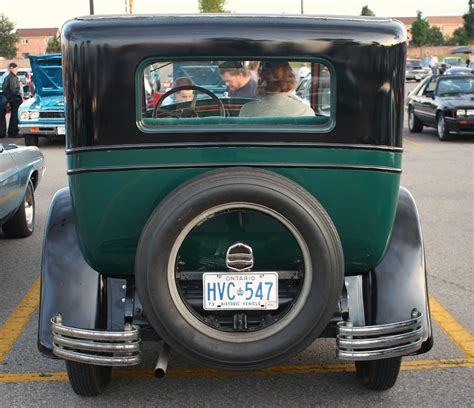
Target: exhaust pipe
pixel 162 363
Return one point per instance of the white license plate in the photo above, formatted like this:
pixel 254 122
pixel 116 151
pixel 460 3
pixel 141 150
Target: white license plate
pixel 246 290
pixel 61 130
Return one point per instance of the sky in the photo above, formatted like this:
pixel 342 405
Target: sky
pixel 53 13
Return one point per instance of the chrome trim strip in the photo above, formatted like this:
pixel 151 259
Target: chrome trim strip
pixel 128 335
pixel 96 360
pixel 319 145
pixel 379 354
pixel 228 165
pixel 378 342
pixel 84 345
pixel 406 325
pixel 133 347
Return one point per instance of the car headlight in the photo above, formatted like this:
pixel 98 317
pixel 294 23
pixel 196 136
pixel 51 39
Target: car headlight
pixel 34 115
pixel 461 112
pixel 24 115
pixel 470 112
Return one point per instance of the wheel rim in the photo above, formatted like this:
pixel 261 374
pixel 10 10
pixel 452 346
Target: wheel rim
pixel 411 119
pixel 287 315
pixel 441 127
pixel 29 208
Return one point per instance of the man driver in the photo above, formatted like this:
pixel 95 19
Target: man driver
pixel 238 79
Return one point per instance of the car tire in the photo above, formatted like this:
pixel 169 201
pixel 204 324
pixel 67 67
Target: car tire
pixel 88 380
pixel 379 375
pixel 173 219
pixel 414 124
pixel 31 140
pixel 441 128
pixel 21 225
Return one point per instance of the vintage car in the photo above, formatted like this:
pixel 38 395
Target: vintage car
pixel 43 114
pixel 236 230
pixel 21 169
pixel 416 71
pixel 443 102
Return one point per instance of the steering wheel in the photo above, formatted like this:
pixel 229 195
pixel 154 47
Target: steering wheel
pixel 190 111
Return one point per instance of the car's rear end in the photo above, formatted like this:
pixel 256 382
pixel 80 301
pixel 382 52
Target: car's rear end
pixel 240 240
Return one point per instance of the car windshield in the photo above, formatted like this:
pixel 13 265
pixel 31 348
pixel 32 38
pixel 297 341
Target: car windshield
pixel 413 64
pixel 455 86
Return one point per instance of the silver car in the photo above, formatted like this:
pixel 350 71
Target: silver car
pixel 416 71
pixel 21 169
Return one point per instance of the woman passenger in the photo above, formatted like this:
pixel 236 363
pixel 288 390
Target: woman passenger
pixel 275 83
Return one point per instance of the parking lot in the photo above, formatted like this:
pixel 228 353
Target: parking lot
pixel 440 175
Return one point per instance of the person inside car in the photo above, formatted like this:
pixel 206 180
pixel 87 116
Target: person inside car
pixel 185 95
pixel 238 79
pixel 275 84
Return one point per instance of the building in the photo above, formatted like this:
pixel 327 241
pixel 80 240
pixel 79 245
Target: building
pixel 447 24
pixel 33 40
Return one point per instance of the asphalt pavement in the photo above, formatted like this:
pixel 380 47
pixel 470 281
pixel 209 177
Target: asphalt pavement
pixel 440 175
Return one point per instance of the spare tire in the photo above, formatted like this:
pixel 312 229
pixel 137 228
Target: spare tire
pixel 201 199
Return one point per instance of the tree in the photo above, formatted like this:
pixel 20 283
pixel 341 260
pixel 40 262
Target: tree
pixel 212 6
pixel 8 37
pixel 420 30
pixel 366 11
pixel 459 37
pixel 469 26
pixel 54 45
pixel 435 36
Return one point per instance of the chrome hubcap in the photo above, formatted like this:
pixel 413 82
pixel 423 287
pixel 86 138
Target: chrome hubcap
pixel 441 127
pixel 29 208
pixel 411 119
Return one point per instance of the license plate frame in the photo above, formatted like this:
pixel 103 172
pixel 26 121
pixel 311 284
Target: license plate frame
pixel 240 291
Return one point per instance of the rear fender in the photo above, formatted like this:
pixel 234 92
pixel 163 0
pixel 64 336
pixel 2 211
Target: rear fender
pixel 69 286
pixel 398 284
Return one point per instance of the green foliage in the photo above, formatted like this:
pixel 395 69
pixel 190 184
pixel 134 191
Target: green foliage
pixel 54 45
pixel 435 36
pixel 212 6
pixel 366 11
pixel 8 37
pixel 469 25
pixel 459 37
pixel 420 30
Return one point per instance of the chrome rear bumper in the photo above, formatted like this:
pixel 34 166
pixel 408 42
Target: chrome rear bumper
pixel 378 342
pixel 99 347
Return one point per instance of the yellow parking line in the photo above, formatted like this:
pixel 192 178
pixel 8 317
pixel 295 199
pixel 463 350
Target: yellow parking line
pixel 205 372
pixel 412 142
pixel 16 322
pixel 453 329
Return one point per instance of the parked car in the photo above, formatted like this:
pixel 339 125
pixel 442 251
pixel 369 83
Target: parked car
pixel 21 169
pixel 237 231
pixel 443 102
pixel 43 114
pixel 308 92
pixel 459 71
pixel 415 70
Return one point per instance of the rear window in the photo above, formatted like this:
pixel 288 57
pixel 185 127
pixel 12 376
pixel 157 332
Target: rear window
pixel 215 94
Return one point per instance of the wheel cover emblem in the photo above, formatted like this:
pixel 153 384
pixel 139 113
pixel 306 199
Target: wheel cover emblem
pixel 239 257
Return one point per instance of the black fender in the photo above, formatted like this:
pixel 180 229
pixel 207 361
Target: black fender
pixel 69 286
pixel 398 284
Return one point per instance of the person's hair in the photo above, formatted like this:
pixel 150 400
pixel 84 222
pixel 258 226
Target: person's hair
pixel 253 65
pixel 183 81
pixel 275 77
pixel 235 71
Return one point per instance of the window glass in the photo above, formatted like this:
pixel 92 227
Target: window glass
pixel 235 93
pixel 455 86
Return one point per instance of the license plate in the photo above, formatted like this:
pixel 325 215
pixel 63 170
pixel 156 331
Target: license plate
pixel 247 290
pixel 61 130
